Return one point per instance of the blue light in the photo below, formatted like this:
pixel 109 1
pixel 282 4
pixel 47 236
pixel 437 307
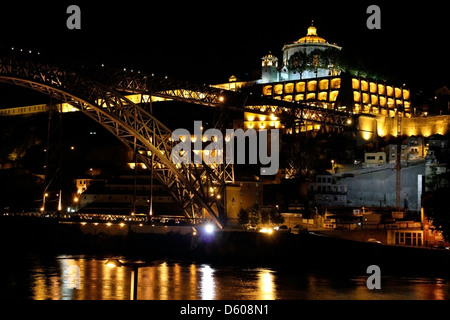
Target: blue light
pixel 210 228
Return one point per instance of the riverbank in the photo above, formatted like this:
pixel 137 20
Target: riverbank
pixel 284 250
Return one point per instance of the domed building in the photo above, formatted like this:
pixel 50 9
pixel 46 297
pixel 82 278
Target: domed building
pixel 310 71
pixel 307 45
pixel 306 58
pixel 302 59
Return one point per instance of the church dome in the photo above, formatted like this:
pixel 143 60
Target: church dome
pixel 312 36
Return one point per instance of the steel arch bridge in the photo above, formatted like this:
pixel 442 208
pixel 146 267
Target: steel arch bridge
pixel 97 92
pixel 189 185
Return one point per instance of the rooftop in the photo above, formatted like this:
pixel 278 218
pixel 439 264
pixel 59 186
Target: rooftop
pixel 312 36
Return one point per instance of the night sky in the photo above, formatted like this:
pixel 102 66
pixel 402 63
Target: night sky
pixel 210 41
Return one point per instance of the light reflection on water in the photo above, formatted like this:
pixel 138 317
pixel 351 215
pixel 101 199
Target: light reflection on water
pixel 53 279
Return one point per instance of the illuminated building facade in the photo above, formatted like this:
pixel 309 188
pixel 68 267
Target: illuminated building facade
pixel 308 75
pixel 302 59
pixel 343 93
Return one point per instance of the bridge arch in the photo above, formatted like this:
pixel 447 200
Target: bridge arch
pixel 188 184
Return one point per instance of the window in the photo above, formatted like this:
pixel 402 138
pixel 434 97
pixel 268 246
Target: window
pixel 408 238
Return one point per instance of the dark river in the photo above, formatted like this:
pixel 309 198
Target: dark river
pixel 67 277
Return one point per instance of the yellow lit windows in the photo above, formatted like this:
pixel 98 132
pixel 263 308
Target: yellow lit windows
pixel 323 96
pixel 278 89
pixel 383 101
pixel 311 96
pixel 374 100
pixel 357 96
pixel 312 86
pixel 381 89
pixel 300 87
pixel 373 87
pixel 407 105
pixel 391 103
pixel 357 108
pixel 398 93
pixel 355 84
pixel 333 96
pixel 336 83
pixel 390 91
pixel 289 88
pixel 299 97
pixel 365 98
pixel 249 116
pixel 324 85
pixel 364 85
pixel 406 94
pixel 288 98
pixel 267 91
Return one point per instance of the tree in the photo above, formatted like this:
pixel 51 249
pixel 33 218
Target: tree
pixel 436 208
pixel 298 62
pixel 265 215
pixel 243 217
pixel 255 217
pixel 276 217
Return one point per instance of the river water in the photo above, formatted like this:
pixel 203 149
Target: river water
pixel 71 277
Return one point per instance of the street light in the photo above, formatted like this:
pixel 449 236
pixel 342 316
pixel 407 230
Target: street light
pixel 43 202
pixel 134 266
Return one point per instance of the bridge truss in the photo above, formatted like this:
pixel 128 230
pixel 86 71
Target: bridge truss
pixel 99 94
pixel 189 185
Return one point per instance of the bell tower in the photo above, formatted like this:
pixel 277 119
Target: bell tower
pixel 269 68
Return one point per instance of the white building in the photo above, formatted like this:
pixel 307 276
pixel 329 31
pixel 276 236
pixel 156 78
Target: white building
pixel 301 60
pixel 326 193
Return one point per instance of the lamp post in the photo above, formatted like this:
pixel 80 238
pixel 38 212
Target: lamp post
pixel 134 266
pixel 43 202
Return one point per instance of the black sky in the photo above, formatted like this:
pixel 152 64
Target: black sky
pixel 209 41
